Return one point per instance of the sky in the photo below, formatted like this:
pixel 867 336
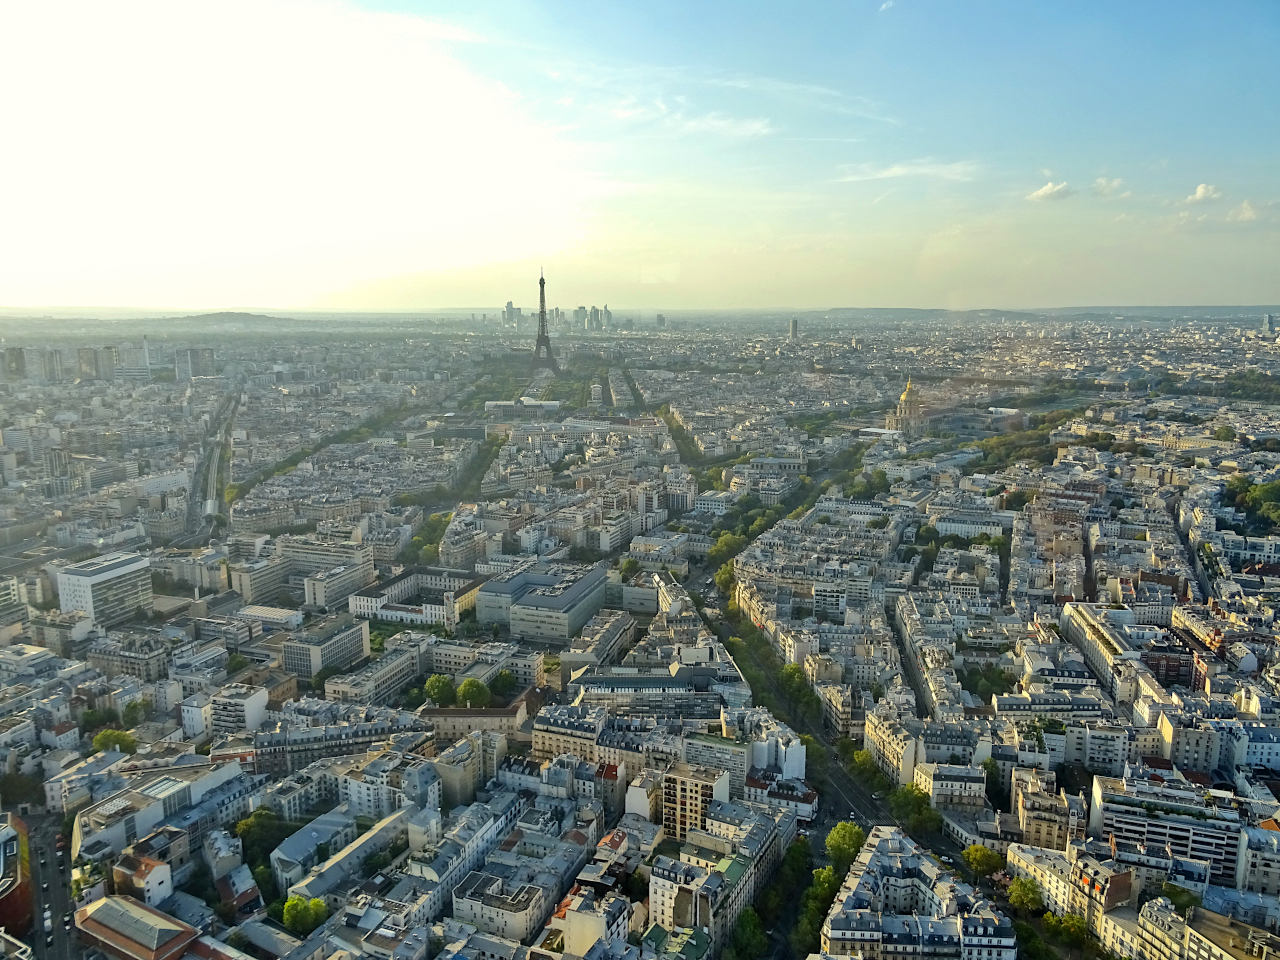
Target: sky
pixel 397 155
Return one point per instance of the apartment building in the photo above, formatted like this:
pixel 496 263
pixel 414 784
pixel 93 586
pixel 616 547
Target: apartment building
pixel 543 600
pixel 897 901
pixel 687 792
pixel 952 786
pixel 111 588
pixel 336 642
pixel 378 681
pixel 565 728
pixel 142 655
pixel 420 596
pixel 237 707
pixel 1187 819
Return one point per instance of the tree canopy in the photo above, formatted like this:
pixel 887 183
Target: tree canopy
pixel 473 693
pixel 301 916
pixel 1024 896
pixel 844 841
pixel 503 685
pixel 983 861
pixel 749 940
pixel 911 807
pixel 439 688
pixel 110 739
pixel 260 833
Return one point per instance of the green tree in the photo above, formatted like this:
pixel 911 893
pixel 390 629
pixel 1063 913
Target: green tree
pixel 92 720
pixel 18 788
pixel 297 916
pixel 637 887
pixel 1224 433
pixel 629 568
pixel 726 547
pixel 816 758
pixel 503 685
pixel 260 833
pixel 236 662
pixel 317 679
pixel 724 578
pixel 844 841
pixel 864 765
pixel 1025 896
pixel 266 881
pixel 134 713
pixel 1073 930
pixel 473 693
pixel 115 740
pixel 911 807
pixel 317 912
pixel 440 690
pixel 995 782
pixel 983 861
pixel 814 904
pixel 749 939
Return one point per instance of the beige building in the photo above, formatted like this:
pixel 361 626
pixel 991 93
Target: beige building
pixel 560 729
pixel 687 791
pixel 1047 819
pixel 952 786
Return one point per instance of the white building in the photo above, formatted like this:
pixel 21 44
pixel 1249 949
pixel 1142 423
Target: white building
pixel 110 589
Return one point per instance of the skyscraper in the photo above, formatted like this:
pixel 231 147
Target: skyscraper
pixel 795 329
pixel 543 359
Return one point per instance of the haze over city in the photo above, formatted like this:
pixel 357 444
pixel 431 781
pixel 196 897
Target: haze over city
pixel 405 156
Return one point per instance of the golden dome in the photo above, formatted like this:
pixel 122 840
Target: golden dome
pixel 908 393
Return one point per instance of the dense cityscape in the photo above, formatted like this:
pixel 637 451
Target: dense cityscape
pixel 546 632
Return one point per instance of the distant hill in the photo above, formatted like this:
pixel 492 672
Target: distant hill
pixel 229 316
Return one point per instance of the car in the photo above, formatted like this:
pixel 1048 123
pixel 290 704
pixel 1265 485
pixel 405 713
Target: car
pixel 45 886
pixel 48 940
pixel 945 859
pixel 876 796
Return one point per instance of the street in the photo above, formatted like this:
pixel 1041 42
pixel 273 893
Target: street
pixel 45 864
pixel 844 798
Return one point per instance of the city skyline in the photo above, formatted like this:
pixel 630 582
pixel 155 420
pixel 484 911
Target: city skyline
pixel 373 157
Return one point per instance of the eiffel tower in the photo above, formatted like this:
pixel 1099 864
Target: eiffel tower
pixel 543 358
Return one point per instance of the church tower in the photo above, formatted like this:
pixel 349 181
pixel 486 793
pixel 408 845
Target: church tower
pixel 907 419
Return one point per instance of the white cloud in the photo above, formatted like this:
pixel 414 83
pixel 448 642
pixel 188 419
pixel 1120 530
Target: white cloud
pixel 1109 187
pixel 1051 191
pixel 681 120
pixel 927 168
pixel 1204 193
pixel 886 5
pixel 1243 213
pixel 719 123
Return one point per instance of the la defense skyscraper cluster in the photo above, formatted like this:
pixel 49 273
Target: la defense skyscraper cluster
pixel 543 358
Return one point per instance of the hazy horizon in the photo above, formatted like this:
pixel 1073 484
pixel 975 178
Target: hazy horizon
pixel 178 313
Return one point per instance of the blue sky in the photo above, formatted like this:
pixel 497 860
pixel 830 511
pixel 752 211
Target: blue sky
pixel 398 155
